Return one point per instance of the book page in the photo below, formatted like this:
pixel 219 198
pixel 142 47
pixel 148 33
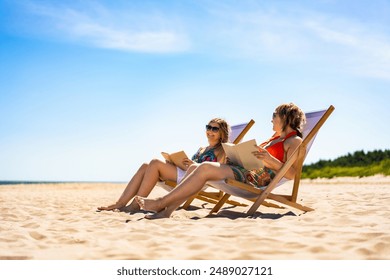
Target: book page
pixel 231 153
pixel 249 161
pixel 241 154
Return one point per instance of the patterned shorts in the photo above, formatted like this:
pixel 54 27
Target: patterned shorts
pixel 258 178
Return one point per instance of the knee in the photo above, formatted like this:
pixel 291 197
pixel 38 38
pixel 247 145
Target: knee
pixel 192 167
pixel 203 170
pixel 155 162
pixel 156 165
pixel 144 166
pixel 205 166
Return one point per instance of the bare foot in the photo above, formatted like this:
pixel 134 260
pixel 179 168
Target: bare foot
pixel 133 207
pixel 165 213
pixel 160 215
pixel 111 207
pixel 153 205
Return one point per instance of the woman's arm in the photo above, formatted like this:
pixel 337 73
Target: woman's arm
pixel 273 163
pixel 290 145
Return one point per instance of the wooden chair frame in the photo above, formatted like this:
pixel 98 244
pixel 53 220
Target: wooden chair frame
pixel 258 196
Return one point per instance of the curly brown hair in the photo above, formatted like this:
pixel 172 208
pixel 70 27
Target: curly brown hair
pixel 292 116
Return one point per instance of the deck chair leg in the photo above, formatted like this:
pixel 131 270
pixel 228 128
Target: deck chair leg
pixel 188 202
pixel 220 203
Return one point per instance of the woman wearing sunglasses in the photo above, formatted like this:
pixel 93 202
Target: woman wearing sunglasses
pixel 147 176
pixel 287 120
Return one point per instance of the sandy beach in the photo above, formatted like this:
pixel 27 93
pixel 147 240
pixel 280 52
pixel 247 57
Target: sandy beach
pixel 60 222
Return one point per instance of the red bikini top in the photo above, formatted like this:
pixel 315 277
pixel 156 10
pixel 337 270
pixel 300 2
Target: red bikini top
pixel 277 149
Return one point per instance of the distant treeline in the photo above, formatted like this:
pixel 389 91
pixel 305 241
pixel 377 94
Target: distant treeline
pixel 358 164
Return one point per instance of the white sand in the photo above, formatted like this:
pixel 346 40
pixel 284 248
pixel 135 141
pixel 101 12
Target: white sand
pixel 59 221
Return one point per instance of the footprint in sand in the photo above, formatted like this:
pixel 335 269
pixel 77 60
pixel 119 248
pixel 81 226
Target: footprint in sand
pixel 196 246
pixel 37 235
pixel 31 225
pixel 139 237
pixel 15 258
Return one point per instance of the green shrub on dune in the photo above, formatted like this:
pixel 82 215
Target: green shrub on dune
pixel 359 164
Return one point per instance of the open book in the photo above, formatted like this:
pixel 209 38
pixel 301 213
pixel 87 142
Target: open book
pixel 176 158
pixel 241 154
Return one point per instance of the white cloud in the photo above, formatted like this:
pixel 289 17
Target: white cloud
pixel 128 40
pixel 101 27
pixel 358 47
pixel 249 30
pixel 280 35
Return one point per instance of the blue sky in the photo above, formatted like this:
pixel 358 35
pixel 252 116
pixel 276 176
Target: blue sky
pixel 89 90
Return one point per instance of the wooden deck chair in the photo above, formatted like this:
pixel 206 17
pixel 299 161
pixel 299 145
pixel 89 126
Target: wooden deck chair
pixel 314 121
pixel 236 135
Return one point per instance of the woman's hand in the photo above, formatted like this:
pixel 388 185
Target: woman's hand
pixel 228 160
pixel 262 154
pixel 187 162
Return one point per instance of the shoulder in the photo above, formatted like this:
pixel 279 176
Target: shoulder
pixel 293 142
pixel 218 150
pixel 219 153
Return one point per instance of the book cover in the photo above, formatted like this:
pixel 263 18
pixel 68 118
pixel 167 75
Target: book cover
pixel 176 158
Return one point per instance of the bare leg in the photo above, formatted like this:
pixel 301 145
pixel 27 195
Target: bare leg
pixel 190 169
pixel 156 170
pixel 130 190
pixel 192 184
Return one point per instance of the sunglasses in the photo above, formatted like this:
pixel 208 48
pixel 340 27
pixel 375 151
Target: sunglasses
pixel 274 115
pixel 212 128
